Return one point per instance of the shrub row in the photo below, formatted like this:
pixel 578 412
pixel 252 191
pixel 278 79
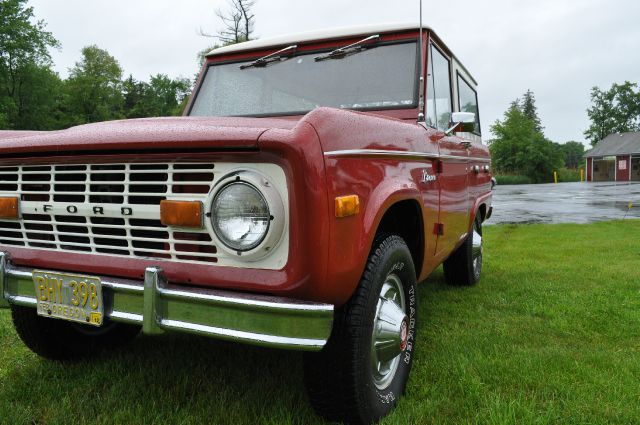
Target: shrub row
pixel 565 175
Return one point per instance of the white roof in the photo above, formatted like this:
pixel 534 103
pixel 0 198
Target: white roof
pixel 303 37
pixel 327 34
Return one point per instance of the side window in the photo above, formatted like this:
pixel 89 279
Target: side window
pixel 468 101
pixel 438 90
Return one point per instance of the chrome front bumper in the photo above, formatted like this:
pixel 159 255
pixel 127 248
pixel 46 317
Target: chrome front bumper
pixel 159 306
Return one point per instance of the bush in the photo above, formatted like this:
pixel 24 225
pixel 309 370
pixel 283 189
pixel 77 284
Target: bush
pixel 512 179
pixel 565 175
pixel 568 175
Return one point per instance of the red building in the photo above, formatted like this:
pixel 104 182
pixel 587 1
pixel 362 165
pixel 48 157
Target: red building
pixel 615 158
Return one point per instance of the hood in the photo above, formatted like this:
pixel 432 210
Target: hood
pixel 175 133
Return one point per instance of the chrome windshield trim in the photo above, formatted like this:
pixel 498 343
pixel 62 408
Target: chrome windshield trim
pixel 400 154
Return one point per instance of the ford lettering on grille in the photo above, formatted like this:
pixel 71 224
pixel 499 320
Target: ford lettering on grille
pixel 111 209
pixel 86 210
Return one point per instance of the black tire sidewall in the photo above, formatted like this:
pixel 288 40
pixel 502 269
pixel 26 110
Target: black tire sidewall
pixel 458 268
pixel 395 259
pixel 477 227
pixel 57 339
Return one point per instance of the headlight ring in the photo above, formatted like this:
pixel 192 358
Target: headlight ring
pixel 246 215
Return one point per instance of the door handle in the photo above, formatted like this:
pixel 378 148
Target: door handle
pixel 465 144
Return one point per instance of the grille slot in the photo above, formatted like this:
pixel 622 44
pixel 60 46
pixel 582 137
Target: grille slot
pixel 80 194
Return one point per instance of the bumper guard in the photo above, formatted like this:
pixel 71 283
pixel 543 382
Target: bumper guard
pixel 159 306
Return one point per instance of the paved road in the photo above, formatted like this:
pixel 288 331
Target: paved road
pixel 565 202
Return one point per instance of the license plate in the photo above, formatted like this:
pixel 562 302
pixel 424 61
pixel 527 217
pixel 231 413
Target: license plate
pixel 70 297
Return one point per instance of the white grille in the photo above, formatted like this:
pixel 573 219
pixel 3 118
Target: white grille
pixel 109 209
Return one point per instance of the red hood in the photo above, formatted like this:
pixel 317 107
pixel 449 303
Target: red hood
pixel 143 134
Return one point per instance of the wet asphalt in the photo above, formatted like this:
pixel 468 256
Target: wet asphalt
pixel 565 202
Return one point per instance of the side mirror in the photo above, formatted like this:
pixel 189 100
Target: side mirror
pixel 462 122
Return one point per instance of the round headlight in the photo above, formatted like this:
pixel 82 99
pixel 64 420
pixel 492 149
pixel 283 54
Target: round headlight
pixel 240 216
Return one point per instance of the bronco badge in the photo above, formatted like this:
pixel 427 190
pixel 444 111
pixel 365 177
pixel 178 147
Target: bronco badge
pixel 426 177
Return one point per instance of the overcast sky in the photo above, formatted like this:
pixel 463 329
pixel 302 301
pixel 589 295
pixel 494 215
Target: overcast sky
pixel 557 48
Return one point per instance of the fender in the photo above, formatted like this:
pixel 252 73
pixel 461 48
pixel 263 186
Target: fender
pixel 484 199
pixel 379 182
pixel 351 238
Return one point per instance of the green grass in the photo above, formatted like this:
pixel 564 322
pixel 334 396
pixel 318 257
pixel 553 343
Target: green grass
pixel 508 179
pixel 550 335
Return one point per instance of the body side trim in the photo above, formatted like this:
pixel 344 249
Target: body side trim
pixel 399 154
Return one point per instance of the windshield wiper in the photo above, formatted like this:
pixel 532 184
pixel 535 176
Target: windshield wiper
pixel 341 52
pixel 266 60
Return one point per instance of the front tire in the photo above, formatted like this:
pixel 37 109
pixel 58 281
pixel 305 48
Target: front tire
pixel 61 340
pixel 362 371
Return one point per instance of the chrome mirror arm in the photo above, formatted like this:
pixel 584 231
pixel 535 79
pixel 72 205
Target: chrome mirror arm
pixel 449 131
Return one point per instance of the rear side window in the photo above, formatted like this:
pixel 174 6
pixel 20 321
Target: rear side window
pixel 438 90
pixel 468 101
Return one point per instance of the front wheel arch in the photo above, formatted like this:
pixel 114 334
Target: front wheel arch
pixel 340 379
pixel 404 219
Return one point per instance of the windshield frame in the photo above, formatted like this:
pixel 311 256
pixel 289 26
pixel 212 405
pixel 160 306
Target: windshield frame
pixel 313 51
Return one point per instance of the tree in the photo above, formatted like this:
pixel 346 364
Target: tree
pixel 162 96
pixel 519 148
pixel 133 92
pixel 238 24
pixel 168 94
pixel 573 153
pixel 530 110
pixel 32 95
pixel 37 99
pixel 616 110
pixel 28 86
pixel 94 87
pixel 509 143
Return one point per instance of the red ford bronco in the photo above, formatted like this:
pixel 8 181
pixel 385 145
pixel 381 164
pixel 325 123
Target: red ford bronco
pixel 312 182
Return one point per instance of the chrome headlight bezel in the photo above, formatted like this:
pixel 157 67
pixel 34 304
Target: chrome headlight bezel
pixel 275 205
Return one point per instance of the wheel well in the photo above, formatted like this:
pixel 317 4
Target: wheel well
pixel 482 210
pixel 404 219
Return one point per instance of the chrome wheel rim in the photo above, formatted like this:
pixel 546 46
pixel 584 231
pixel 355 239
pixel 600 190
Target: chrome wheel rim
pixel 476 251
pixel 390 329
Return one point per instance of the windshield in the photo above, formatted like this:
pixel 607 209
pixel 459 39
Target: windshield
pixel 382 77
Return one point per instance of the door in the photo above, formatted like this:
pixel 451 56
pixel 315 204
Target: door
pixel 454 193
pixel 453 213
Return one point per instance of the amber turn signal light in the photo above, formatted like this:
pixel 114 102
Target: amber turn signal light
pixel 347 205
pixel 8 207
pixel 181 213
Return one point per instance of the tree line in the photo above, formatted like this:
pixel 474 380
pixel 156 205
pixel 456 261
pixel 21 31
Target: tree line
pixel 519 146
pixel 34 97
